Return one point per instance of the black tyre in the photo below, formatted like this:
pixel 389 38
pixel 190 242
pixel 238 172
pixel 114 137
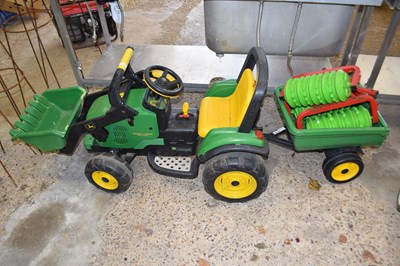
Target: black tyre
pixel 342 167
pixel 109 173
pixel 398 202
pixel 235 177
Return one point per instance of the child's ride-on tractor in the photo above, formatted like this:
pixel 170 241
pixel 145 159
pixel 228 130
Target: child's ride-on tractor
pixel 133 116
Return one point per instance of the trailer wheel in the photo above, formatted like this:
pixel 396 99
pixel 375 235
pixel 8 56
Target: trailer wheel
pixel 342 167
pixel 398 201
pixel 109 173
pixel 235 177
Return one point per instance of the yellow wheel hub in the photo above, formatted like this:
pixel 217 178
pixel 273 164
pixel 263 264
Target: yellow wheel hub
pixel 105 180
pixel 235 185
pixel 345 171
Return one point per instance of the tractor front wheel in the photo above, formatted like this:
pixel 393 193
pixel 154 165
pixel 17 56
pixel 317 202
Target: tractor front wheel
pixel 343 167
pixel 235 177
pixel 109 173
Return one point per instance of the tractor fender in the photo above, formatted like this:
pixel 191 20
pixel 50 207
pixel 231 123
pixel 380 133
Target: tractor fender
pixel 264 151
pixel 223 140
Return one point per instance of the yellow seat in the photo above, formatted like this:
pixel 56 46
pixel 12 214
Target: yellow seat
pixel 219 112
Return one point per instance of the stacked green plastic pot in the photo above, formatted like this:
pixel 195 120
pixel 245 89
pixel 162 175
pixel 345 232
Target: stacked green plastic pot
pixel 303 92
pixel 348 117
pixel 318 89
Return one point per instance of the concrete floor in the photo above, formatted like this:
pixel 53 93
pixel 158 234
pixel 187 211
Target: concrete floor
pixel 55 217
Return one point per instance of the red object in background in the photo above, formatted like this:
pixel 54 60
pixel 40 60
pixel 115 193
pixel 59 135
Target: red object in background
pixel 77 8
pixel 81 25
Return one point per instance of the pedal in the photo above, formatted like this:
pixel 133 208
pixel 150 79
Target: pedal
pixel 175 166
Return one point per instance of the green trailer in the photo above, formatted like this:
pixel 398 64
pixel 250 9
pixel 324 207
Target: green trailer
pixel 331 138
pixel 341 143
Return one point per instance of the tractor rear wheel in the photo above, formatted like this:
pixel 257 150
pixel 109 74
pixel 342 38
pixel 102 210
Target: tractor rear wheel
pixel 109 173
pixel 235 177
pixel 343 167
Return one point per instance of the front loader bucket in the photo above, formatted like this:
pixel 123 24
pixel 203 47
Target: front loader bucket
pixel 48 118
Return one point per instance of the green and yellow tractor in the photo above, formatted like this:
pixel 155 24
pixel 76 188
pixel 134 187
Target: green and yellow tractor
pixel 133 116
pixel 326 111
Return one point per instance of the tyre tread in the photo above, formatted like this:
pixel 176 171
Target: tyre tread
pixel 114 165
pixel 235 161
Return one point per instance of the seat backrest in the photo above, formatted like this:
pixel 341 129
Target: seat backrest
pixel 241 98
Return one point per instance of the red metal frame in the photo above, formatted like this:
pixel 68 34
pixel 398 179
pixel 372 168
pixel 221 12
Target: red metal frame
pixel 353 100
pixel 358 95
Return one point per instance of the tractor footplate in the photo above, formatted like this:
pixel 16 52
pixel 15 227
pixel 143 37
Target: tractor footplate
pixel 176 166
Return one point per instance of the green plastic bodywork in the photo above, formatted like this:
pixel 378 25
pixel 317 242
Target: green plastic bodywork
pixel 228 136
pixel 48 117
pixel 222 88
pixel 320 139
pixel 122 135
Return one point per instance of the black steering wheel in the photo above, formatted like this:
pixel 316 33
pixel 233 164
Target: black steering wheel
pixel 163 81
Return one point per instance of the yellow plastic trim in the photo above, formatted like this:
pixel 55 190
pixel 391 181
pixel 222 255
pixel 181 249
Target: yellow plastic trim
pixel 126 58
pixel 105 180
pixel 345 171
pixel 218 112
pixel 157 74
pixel 235 185
pixel 185 108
